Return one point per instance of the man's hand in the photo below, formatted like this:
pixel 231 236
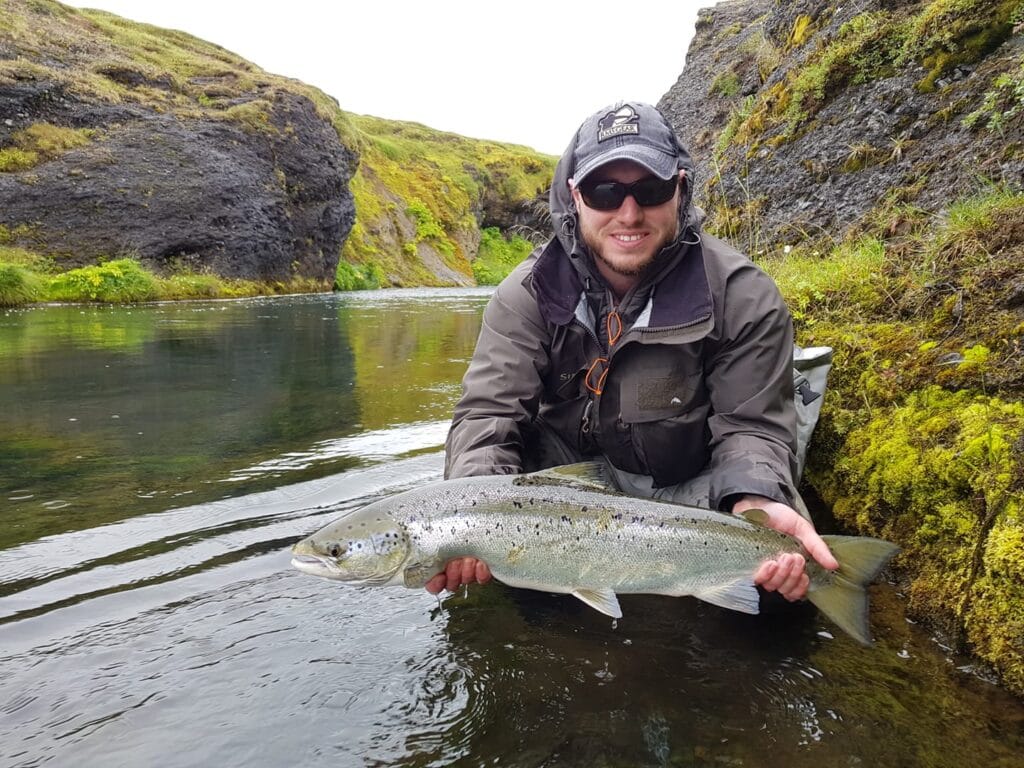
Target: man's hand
pixel 462 570
pixel 785 574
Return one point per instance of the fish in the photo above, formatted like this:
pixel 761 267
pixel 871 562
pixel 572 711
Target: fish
pixel 568 530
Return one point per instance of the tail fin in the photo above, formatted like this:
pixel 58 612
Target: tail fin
pixel 842 596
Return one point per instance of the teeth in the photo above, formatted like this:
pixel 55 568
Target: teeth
pixel 628 238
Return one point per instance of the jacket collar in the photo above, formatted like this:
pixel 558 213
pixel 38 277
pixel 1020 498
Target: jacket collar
pixel 681 295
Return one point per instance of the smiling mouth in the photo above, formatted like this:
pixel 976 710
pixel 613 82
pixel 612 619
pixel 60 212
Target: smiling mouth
pixel 629 238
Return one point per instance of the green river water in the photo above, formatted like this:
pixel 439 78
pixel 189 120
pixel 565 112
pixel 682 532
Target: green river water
pixel 156 462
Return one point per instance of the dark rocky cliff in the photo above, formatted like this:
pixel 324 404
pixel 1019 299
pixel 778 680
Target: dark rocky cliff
pixel 870 155
pixel 804 116
pixel 187 156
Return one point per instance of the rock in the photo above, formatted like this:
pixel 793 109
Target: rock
pixel 869 137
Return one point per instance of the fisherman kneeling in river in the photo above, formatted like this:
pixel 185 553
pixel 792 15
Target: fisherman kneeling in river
pixel 632 335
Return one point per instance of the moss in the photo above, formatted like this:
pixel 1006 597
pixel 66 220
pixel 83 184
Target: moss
pixel 936 473
pixel 948 33
pixel 864 49
pixel 803 25
pixel 41 142
pixel 921 438
pixel 498 256
pixel 726 85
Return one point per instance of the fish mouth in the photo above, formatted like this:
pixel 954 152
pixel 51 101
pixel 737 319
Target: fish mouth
pixel 316 566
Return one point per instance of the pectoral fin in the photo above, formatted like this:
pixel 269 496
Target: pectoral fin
pixel 739 595
pixel 603 600
pixel 417 575
pixel 755 516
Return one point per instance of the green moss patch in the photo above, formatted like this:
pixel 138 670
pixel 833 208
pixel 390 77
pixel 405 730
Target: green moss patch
pixel 498 256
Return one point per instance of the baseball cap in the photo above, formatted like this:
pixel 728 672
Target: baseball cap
pixel 629 130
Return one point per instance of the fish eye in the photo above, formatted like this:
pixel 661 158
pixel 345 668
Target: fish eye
pixel 334 550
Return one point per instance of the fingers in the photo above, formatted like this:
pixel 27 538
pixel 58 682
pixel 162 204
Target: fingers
pixel 462 570
pixel 784 575
pixel 436 584
pixel 816 546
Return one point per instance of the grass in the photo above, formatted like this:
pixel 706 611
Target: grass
pixel 814 285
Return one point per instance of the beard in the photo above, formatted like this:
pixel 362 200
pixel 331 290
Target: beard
pixel 631 268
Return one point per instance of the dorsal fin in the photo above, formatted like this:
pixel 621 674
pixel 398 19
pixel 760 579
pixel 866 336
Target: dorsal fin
pixel 586 475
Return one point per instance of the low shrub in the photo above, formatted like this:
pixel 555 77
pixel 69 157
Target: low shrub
pixel 115 281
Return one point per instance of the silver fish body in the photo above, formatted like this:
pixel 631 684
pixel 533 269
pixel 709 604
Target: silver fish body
pixel 565 531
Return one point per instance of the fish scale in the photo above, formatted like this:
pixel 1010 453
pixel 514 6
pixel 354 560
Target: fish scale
pixel 566 530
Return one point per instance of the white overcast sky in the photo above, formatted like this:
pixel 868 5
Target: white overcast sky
pixel 526 71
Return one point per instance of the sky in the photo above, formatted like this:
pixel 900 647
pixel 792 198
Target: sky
pixel 526 71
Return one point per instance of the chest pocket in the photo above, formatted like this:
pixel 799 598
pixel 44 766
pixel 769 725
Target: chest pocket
pixel 655 390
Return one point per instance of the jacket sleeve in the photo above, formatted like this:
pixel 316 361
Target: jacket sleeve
pixel 750 379
pixel 503 385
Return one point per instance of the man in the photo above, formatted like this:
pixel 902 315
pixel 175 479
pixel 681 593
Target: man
pixel 634 336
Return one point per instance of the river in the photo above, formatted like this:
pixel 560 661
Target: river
pixel 157 461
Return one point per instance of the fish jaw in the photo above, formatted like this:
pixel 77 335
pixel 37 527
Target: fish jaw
pixel 316 566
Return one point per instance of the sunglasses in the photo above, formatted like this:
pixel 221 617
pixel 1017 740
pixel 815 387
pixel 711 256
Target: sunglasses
pixel 609 195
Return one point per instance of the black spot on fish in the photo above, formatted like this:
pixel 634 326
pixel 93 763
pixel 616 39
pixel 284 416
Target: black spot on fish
pixel 584 508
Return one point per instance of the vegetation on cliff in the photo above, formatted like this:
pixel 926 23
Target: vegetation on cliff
pixel 870 158
pixel 423 197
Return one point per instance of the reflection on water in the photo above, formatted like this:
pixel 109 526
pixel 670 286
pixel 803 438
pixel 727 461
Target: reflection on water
pixel 119 411
pixel 173 632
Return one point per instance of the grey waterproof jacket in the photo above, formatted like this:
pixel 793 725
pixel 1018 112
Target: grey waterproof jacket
pixel 700 378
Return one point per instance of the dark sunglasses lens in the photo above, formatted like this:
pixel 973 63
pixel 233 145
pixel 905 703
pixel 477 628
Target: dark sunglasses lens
pixel 605 196
pixel 653 191
pixel 608 195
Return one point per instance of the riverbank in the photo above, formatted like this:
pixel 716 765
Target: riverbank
pixel 126 281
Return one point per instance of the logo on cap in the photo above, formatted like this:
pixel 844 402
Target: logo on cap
pixel 618 123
